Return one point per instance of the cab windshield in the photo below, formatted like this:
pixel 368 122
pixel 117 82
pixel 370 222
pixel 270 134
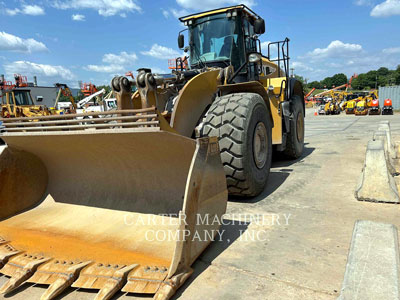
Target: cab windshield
pixel 216 39
pixel 22 98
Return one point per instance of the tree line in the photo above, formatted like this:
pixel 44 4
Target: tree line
pixel 365 81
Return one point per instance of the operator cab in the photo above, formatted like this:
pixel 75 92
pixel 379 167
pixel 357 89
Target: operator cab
pixel 23 98
pixel 225 37
pixel 17 97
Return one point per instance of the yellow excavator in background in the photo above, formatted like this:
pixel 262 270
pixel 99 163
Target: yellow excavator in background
pixel 66 92
pixel 179 144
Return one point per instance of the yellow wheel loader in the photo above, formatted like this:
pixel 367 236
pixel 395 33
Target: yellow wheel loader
pixel 137 221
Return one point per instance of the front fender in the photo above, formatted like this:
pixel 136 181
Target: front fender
pixel 193 99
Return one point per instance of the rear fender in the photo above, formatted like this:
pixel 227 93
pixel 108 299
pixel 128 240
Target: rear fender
pixel 296 88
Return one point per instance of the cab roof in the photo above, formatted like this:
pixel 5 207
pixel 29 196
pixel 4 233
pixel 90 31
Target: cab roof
pixel 218 11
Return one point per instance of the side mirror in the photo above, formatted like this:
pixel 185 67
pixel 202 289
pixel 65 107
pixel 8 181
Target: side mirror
pixel 259 26
pixel 181 41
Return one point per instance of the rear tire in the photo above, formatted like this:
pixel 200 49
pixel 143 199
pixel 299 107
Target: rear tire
pixel 242 123
pixel 295 138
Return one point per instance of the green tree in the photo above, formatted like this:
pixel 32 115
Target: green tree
pixel 327 83
pixel 79 96
pixel 299 78
pixel 383 71
pixel 397 75
pixel 315 84
pixel 106 87
pixel 339 79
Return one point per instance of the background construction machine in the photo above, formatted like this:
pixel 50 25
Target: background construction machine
pixel 387 108
pixel 351 103
pixel 332 107
pixel 88 89
pixel 361 108
pixel 102 103
pixel 238 104
pixel 16 101
pixel 19 103
pixel 374 108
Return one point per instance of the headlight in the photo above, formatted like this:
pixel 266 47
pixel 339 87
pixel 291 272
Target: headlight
pixel 254 57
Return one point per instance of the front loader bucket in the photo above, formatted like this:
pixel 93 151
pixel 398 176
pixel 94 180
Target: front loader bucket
pixel 109 209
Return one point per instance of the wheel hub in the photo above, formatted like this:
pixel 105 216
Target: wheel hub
pixel 260 145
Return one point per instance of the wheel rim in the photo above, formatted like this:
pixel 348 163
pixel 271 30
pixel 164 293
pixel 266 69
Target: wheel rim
pixel 300 127
pixel 260 151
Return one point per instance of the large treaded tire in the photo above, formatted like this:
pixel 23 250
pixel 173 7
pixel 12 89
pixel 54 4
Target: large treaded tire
pixel 295 138
pixel 233 119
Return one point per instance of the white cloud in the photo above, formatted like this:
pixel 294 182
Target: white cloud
pixel 177 13
pixel 300 67
pixel 395 50
pixel 123 58
pixel 161 52
pixel 210 4
pixel 386 9
pixel 165 13
pixel 273 48
pixel 105 68
pixel 105 8
pixel 363 2
pixel 12 12
pixel 9 42
pixel 114 63
pixel 336 49
pixel 78 17
pixel 32 10
pixel 30 69
pixel 318 69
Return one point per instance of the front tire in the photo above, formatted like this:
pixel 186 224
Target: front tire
pixel 242 123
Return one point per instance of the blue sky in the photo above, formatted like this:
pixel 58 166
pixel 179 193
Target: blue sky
pixel 93 40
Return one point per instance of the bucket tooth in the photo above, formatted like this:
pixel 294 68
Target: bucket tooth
pixel 2 240
pixel 7 251
pixel 115 283
pixel 20 272
pixel 108 278
pixel 169 286
pixel 146 280
pixel 59 275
